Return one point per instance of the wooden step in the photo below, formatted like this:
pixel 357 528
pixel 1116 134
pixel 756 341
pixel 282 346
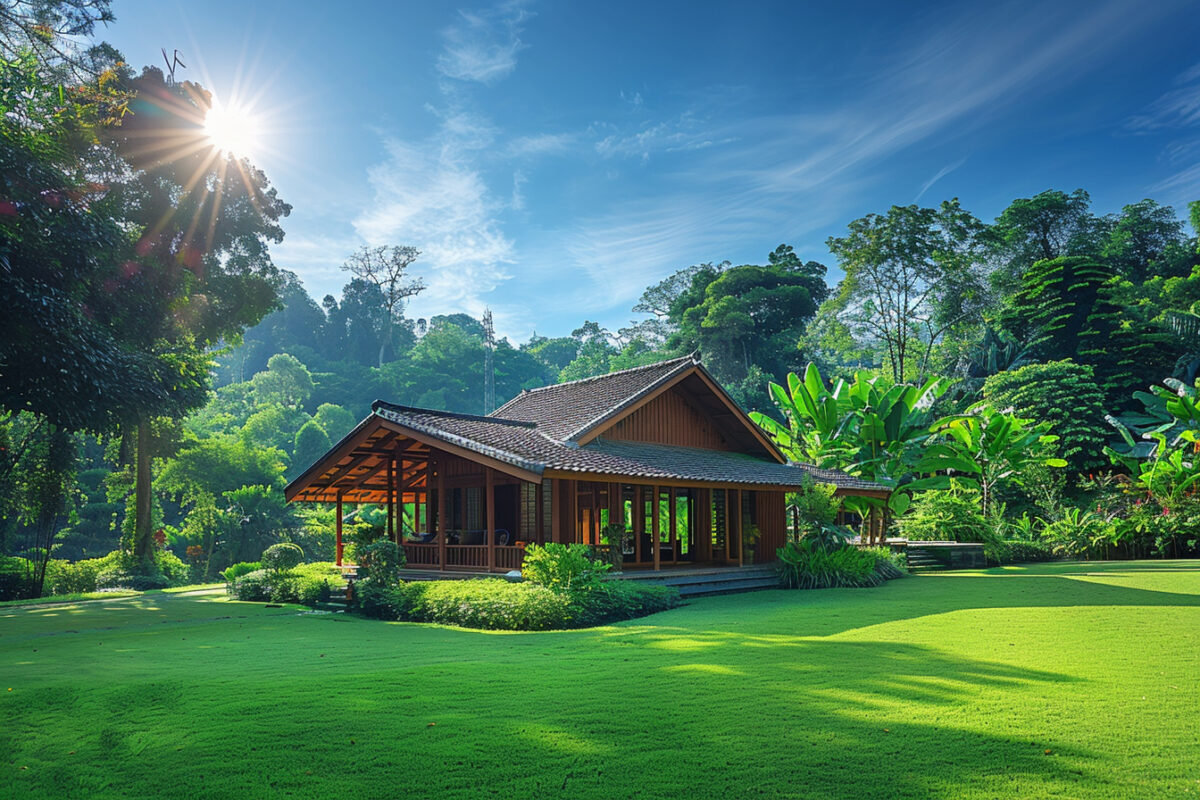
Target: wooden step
pixel 716 580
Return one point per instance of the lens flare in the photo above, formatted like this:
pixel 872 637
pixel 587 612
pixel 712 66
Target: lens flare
pixel 233 130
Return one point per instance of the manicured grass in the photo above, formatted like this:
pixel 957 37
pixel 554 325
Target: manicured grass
pixel 71 598
pixel 1055 680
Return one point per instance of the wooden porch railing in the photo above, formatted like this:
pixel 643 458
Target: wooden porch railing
pixel 424 555
pixel 421 554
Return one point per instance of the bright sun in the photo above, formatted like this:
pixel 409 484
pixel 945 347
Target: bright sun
pixel 232 130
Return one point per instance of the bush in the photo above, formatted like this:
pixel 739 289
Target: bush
pixel 16 578
pixel 497 604
pixel 614 600
pixel 379 565
pixel 121 570
pixel 307 584
pixel 1020 551
pixel 563 566
pixel 282 557
pixel 946 515
pixel 807 565
pixel 235 571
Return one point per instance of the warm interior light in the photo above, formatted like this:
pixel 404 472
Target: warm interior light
pixel 230 129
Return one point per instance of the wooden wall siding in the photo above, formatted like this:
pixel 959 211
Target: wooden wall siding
pixel 772 525
pixel 668 419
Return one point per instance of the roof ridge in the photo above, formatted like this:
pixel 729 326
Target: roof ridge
pixel 626 371
pixel 451 414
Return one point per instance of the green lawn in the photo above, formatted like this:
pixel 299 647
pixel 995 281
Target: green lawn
pixel 1077 681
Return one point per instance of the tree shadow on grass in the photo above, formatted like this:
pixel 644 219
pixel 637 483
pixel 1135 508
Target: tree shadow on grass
pixel 826 612
pixel 803 718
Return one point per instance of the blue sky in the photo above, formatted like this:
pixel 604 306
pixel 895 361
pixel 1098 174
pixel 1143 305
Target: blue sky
pixel 553 159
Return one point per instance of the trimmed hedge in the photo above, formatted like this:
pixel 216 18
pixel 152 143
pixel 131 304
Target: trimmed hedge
pixel 307 584
pixel 497 604
pixel 807 564
pixel 1019 551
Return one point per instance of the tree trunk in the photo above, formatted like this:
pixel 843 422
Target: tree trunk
pixel 143 535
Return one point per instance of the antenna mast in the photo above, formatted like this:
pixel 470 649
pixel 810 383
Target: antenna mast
pixel 173 62
pixel 489 363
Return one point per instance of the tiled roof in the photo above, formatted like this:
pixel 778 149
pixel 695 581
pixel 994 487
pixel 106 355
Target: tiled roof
pixel 565 411
pixel 526 445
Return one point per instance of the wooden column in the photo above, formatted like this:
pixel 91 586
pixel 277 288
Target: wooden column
pixel 733 499
pixel 572 527
pixel 391 497
pixel 339 529
pixel 490 485
pixel 441 514
pixel 556 486
pixel 654 524
pixel 639 521
pixel 674 523
pixel 540 522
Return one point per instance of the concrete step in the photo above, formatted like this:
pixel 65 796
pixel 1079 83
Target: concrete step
pixel 728 587
pixel 717 580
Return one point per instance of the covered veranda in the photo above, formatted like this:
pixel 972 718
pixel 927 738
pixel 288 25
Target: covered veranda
pixel 454 507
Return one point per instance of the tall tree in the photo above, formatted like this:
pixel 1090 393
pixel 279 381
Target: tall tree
pixel 202 220
pixel 912 275
pixel 1039 228
pixel 387 268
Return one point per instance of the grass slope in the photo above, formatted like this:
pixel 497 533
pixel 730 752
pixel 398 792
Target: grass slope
pixel 1058 680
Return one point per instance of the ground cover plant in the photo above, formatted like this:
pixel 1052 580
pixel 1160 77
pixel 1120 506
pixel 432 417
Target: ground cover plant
pixel 563 586
pixel 1065 679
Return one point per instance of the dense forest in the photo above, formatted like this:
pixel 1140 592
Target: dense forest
pixel 164 378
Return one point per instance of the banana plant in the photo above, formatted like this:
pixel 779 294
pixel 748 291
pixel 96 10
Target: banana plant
pixel 989 447
pixel 1170 410
pixel 867 427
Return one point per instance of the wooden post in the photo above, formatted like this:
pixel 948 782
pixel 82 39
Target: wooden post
pixel 391 497
pixel 556 510
pixel 734 498
pixel 655 507
pixel 639 521
pixel 490 484
pixel 573 509
pixel 674 523
pixel 339 529
pixel 441 515
pixel 540 522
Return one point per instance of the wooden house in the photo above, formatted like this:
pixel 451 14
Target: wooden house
pixel 656 463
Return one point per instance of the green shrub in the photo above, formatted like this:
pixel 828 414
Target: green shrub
pixel 615 600
pixel 306 584
pixel 379 565
pixel 78 577
pixel 121 570
pixel 235 571
pixel 120 578
pixel 562 566
pixel 946 515
pixel 497 604
pixel 282 557
pixel 807 565
pixel 1021 551
pixel 490 603
pixel 16 578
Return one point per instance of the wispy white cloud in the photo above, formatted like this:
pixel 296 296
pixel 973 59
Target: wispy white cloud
pixel 1176 108
pixel 432 195
pixel 316 257
pixel 937 176
pixel 682 133
pixel 482 46
pixel 798 174
pixel 541 144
